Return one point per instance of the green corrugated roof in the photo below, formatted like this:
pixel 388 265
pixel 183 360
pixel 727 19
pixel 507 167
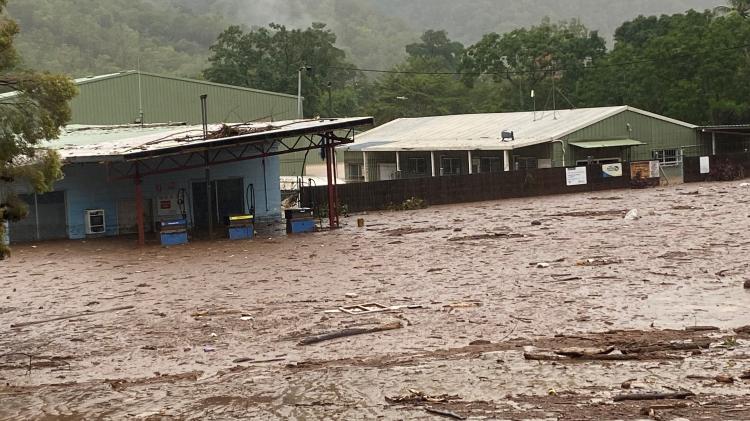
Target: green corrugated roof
pixel 611 143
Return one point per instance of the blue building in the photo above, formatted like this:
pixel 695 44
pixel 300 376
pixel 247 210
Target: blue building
pixel 126 179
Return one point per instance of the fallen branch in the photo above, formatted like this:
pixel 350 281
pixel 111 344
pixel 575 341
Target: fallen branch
pixel 648 409
pixel 681 346
pixel 349 332
pixel 653 396
pixel 444 413
pixel 54 319
pixel 593 357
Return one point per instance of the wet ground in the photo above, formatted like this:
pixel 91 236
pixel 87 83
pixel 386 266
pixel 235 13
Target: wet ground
pixel 552 308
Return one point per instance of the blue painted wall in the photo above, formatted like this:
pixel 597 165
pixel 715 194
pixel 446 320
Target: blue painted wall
pixel 86 187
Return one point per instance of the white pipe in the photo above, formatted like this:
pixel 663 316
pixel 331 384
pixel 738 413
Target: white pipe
pixel 398 162
pixel 365 167
pixel 506 160
pixel 432 163
pixel 470 169
pixel 713 143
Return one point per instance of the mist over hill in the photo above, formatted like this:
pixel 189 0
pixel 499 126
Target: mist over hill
pixel 81 37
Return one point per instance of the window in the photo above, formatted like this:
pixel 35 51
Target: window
pixel 582 162
pixel 667 157
pixel 416 166
pixel 354 172
pixel 490 164
pixel 450 166
pixel 525 163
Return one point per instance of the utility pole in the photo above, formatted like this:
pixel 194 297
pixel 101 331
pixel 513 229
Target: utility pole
pixel 330 100
pixel 302 68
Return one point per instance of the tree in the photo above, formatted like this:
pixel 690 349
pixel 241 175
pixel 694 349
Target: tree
pixel 530 59
pixel 269 58
pixel 739 7
pixel 692 66
pixel 33 114
pixel 436 45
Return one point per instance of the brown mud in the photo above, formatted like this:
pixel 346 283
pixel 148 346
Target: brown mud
pixel 500 318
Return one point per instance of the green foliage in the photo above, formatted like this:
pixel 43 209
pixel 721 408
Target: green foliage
pixel 529 59
pixel 270 58
pixel 86 37
pixel 28 118
pixel 693 66
pixel 412 203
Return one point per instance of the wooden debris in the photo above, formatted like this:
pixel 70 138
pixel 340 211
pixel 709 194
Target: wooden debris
pixel 444 413
pixel 679 346
pixel 463 304
pixel 254 361
pixel 73 316
pixel 349 332
pixel 604 261
pixel 581 352
pixel 653 396
pixel 647 410
pixel 595 357
pixel 701 328
pixel 417 397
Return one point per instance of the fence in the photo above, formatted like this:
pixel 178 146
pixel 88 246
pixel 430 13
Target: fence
pixel 380 195
pixel 724 167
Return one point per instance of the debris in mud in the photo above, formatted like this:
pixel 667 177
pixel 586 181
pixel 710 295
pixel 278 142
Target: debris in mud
pixel 617 212
pixel 415 397
pixel 721 378
pixel 653 396
pixel 494 235
pixel 444 413
pixel 120 384
pixel 651 410
pixel 73 316
pixel 219 312
pixel 398 232
pixel 747 283
pixel 632 215
pixel 463 304
pixel 601 261
pixel 349 332
pixel 536 223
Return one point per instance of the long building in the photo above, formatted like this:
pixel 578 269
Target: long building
pixel 480 143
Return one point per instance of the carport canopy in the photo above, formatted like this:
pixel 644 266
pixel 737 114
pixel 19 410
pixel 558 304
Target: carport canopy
pixel 612 143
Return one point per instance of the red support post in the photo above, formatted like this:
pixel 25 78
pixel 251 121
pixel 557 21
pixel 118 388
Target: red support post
pixel 331 198
pixel 139 211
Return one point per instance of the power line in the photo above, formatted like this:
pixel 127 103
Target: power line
pixel 522 72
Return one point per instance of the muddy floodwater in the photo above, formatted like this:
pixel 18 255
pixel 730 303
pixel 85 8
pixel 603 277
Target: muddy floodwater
pixel 553 308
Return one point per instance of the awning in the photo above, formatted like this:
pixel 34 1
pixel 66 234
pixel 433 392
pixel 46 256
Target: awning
pixel 614 143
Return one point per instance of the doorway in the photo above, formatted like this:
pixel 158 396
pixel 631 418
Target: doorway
pixel 227 198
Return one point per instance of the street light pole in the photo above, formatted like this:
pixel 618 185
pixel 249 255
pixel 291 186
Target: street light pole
pixel 299 93
pixel 299 89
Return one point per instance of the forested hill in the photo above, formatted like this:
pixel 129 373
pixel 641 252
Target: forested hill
pixel 81 37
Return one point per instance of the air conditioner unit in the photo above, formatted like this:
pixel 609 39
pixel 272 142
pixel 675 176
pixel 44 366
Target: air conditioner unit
pixel 95 221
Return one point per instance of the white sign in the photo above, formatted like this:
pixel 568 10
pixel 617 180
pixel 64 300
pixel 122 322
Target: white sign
pixel 705 165
pixel 575 176
pixel 654 169
pixel 612 170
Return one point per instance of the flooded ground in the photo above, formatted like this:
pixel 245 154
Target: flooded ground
pixel 552 308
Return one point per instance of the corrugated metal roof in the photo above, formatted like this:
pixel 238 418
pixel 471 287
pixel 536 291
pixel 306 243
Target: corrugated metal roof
pixel 483 131
pixel 612 143
pixel 125 97
pixel 117 143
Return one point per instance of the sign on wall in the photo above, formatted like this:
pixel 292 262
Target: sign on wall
pixel 645 169
pixel 705 164
pixel 654 169
pixel 612 170
pixel 575 176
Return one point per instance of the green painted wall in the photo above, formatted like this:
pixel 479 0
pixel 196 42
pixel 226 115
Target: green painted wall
pixel 657 134
pixel 115 100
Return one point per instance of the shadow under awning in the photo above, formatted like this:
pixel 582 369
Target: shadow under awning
pixel 612 143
